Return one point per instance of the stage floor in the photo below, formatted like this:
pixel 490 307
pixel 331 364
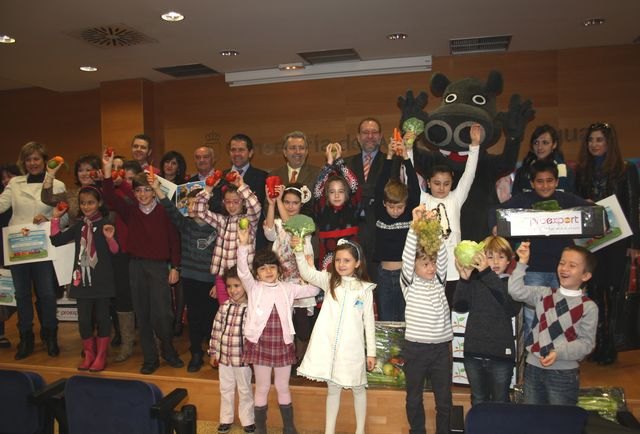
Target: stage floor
pixel 385 407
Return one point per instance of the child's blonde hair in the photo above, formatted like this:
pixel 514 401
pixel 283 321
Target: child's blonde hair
pixel 498 244
pixel 395 192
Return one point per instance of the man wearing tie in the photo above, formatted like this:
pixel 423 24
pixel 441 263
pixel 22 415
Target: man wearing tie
pixel 295 150
pixel 367 166
pixel 240 149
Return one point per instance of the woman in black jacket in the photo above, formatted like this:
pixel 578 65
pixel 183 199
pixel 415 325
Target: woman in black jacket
pixel 601 172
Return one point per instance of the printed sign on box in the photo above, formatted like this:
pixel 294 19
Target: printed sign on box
pixel 459 322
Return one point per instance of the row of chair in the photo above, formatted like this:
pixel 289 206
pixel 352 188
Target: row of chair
pixel 87 404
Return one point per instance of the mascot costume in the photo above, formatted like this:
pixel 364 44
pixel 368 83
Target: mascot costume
pixel 465 102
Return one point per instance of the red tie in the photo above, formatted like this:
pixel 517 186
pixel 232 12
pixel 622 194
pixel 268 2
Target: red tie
pixel 367 165
pixel 294 176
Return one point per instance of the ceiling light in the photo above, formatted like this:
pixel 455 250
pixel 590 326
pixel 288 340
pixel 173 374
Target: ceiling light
pixel 330 70
pixel 593 22
pixel 397 36
pixel 290 66
pixel 6 39
pixel 172 16
pixel 229 53
pixel 88 68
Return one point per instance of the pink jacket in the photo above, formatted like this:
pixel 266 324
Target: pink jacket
pixel 263 296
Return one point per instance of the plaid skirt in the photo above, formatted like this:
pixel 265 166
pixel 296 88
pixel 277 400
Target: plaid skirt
pixel 270 349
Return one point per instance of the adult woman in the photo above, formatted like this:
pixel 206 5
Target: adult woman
pixel 602 172
pixel 173 167
pixel 22 195
pixel 545 145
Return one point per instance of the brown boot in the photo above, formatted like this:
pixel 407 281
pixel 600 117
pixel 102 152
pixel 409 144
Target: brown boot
pixel 128 332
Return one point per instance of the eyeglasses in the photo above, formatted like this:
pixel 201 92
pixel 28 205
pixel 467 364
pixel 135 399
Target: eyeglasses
pixel 370 132
pixel 232 201
pixel 600 126
pixel 296 148
pixel 143 190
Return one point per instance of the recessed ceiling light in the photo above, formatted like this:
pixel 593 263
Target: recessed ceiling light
pixel 229 53
pixel 593 22
pixel 6 39
pixel 172 16
pixel 397 36
pixel 290 66
pixel 88 68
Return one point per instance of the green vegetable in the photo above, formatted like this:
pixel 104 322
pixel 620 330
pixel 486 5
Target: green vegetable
pixel 243 223
pixel 547 205
pixel 300 226
pixel 414 125
pixel 466 250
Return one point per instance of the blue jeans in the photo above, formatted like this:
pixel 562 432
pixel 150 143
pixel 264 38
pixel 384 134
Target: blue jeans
pixel 41 276
pixel 536 278
pixel 489 379
pixel 390 299
pixel 551 386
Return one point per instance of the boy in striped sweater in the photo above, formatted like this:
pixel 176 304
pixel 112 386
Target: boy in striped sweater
pixel 428 334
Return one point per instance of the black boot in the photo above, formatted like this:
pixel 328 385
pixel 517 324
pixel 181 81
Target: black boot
pixel 260 419
pixel 288 427
pixel 25 347
pixel 51 341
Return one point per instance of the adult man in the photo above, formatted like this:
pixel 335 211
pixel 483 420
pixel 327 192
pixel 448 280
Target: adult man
pixel 205 160
pixel 141 151
pixel 367 165
pixel 240 149
pixel 295 150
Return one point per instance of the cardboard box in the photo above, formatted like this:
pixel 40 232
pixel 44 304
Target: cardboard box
pixel 579 222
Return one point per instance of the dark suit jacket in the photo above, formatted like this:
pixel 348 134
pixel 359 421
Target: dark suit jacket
pixel 307 175
pixel 255 179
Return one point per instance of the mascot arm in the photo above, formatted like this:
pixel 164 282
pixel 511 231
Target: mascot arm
pixel 514 123
pixel 413 106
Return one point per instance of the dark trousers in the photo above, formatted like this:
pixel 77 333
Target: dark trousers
pixel 41 276
pixel 424 361
pixel 152 304
pixel 489 378
pixel 123 301
pixel 201 309
pixel 86 307
pixel 391 303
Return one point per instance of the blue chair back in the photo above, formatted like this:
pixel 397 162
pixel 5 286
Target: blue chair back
pixel 17 414
pixel 107 406
pixel 501 418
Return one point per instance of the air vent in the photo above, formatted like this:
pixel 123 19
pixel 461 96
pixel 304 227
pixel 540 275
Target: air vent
pixel 330 56
pixel 484 44
pixel 113 36
pixel 192 70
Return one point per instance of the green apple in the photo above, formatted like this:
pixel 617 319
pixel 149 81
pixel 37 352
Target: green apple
pixel 243 223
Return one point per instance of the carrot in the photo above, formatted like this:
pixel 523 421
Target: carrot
pixel 396 135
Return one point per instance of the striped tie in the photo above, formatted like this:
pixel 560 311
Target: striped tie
pixel 367 165
pixel 294 176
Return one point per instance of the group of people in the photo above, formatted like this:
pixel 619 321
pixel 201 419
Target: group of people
pixel 266 300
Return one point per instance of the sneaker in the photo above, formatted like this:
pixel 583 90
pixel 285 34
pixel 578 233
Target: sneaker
pixel 174 361
pixel 249 428
pixel 149 368
pixel 224 428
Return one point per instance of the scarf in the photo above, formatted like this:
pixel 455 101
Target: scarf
pixel 88 255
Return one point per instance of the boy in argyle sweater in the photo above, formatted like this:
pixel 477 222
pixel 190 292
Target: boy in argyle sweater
pixel 563 330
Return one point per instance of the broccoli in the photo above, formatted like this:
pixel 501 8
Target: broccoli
pixel 547 205
pixel 300 226
pixel 414 125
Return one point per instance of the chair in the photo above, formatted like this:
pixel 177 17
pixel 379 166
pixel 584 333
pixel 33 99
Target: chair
pixel 501 418
pixel 106 406
pixel 26 404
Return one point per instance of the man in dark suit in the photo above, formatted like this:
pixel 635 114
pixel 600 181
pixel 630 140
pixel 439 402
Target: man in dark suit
pixel 205 160
pixel 240 149
pixel 295 150
pixel 367 165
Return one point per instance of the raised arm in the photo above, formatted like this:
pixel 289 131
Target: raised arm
pixel 310 274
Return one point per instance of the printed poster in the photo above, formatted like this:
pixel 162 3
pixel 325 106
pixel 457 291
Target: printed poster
pixel 617 229
pixel 7 292
pixel 183 191
pixel 26 243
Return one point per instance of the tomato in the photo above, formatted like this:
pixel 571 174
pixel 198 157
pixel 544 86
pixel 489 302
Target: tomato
pixel 231 176
pixel 93 173
pixel 217 174
pixel 210 181
pixel 62 206
pixel 109 151
pixel 55 162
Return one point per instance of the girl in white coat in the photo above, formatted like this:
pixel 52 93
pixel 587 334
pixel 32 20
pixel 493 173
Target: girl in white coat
pixel 343 345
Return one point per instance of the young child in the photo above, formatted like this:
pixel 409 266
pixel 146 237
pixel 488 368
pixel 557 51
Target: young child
pixel 197 240
pixel 154 265
pixel 92 281
pixel 238 201
pixel 449 202
pixel 393 215
pixel 428 333
pixel 337 199
pixel 290 201
pixel 489 348
pixel 343 344
pixel 225 352
pixel 564 327
pixel 269 332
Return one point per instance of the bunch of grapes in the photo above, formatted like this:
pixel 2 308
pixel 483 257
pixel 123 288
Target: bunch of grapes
pixel 429 234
